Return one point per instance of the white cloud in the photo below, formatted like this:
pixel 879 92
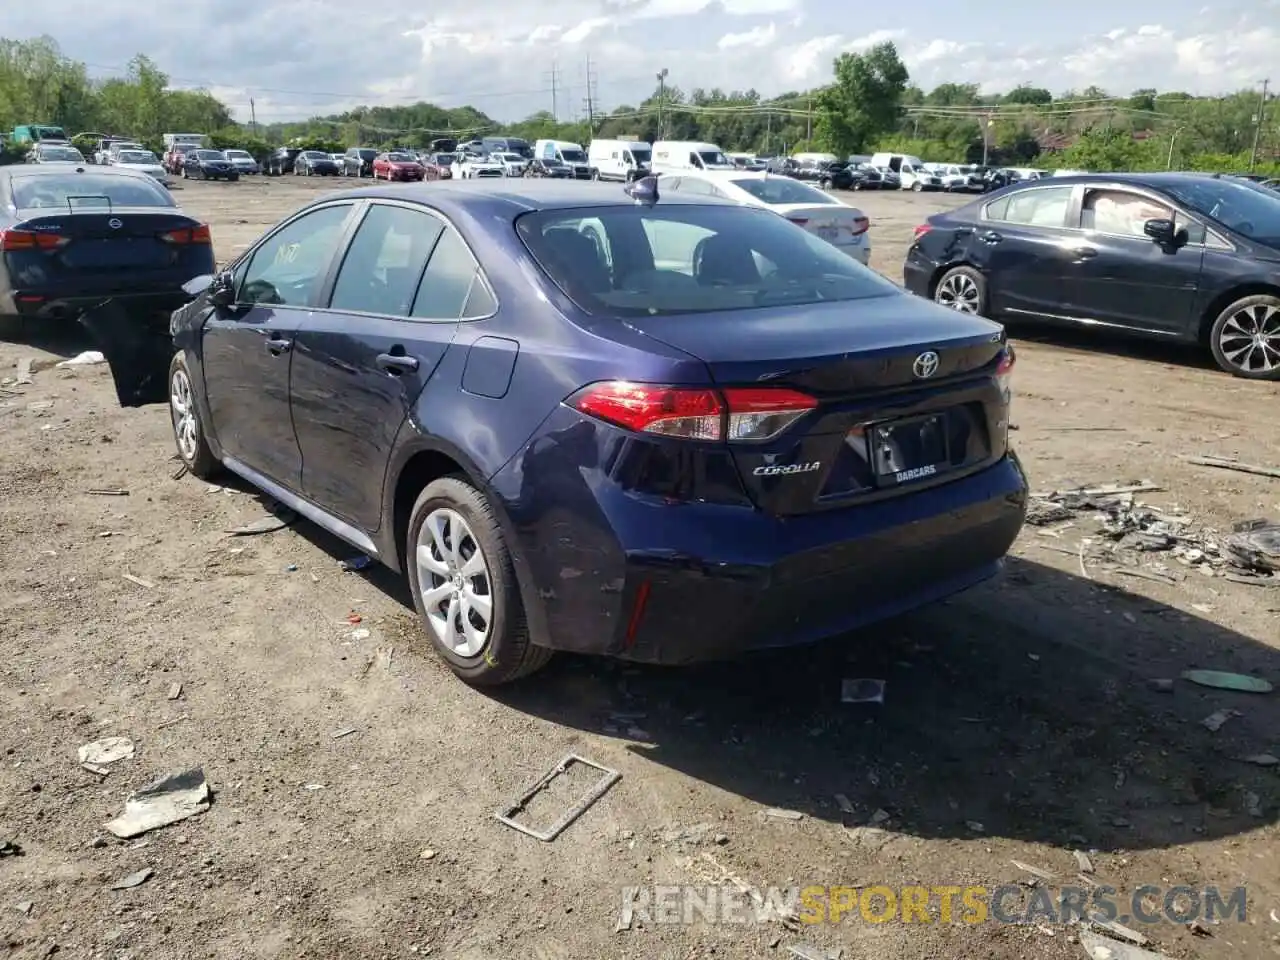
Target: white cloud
pixel 755 37
pixel 498 55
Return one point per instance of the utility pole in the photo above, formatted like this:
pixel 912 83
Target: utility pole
pixel 662 95
pixel 591 99
pixel 986 133
pixel 916 132
pixel 1257 129
pixel 808 120
pixel 253 117
pixel 768 130
pixel 555 104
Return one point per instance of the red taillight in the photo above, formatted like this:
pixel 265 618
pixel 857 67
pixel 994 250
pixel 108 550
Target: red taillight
pixel 188 235
pixel 920 231
pixel 1004 372
pixel 694 413
pixel 860 225
pixel 12 241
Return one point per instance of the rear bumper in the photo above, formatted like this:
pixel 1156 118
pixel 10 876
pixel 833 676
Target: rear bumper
pixel 651 581
pixel 57 306
pixel 917 271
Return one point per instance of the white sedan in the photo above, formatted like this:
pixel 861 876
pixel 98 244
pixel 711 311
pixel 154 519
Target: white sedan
pixel 843 226
pixel 512 163
pixel 474 166
pixel 143 161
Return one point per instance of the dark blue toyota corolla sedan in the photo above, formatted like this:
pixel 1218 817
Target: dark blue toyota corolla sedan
pixel 582 418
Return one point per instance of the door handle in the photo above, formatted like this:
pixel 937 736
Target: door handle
pixel 277 347
pixel 397 363
pixel 1085 253
pixel 990 236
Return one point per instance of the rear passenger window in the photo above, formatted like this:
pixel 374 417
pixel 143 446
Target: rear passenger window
pixel 383 265
pixel 995 210
pixel 1039 208
pixel 446 284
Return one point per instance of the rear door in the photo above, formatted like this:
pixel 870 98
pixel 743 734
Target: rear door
pixel 1023 244
pixel 247 349
pixel 1119 276
pixel 360 362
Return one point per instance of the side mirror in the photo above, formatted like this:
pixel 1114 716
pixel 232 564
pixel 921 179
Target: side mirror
pixel 1162 231
pixel 222 290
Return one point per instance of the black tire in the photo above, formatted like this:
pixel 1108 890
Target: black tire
pixel 507 653
pixel 917 187
pixel 202 463
pixel 1255 307
pixel 954 280
pixel 595 174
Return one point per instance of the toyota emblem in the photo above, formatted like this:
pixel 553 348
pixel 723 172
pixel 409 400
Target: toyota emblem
pixel 926 365
pixel 115 223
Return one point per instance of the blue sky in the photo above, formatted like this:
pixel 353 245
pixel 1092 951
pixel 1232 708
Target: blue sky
pixel 304 57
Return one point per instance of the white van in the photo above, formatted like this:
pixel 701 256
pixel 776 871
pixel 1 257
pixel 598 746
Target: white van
pixel 895 161
pixel 689 155
pixel 813 159
pixel 623 160
pixel 570 154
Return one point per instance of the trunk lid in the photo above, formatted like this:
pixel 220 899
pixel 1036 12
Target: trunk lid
pixel 906 392
pixel 97 243
pixel 834 222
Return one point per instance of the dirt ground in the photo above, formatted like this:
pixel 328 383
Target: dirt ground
pixel 1019 721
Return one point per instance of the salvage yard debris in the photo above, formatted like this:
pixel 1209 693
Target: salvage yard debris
pixel 136 879
pixel 1129 528
pixel 1221 680
pixel 169 800
pixel 96 757
pixel 279 518
pixel 1227 463
pixel 608 779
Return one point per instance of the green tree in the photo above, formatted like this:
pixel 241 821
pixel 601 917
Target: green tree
pixel 1035 96
pixel 864 102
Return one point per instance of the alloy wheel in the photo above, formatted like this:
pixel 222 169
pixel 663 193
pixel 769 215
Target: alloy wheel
pixel 182 408
pixel 1250 338
pixel 959 292
pixel 454 582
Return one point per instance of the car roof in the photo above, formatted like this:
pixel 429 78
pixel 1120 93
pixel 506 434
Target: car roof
pixel 1156 180
pixel 36 170
pixel 521 196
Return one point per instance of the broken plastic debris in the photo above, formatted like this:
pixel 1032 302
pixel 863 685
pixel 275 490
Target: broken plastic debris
pixel 1262 760
pixel 1034 871
pixel 1255 544
pixel 778 813
pixel 843 802
pixel 861 690
pixel 1083 861
pixel 1100 948
pixel 106 750
pixel 134 879
pixel 86 359
pixel 1214 721
pixel 357 563
pixel 170 799
pixel 1222 680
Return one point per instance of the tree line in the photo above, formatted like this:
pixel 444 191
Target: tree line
pixel 869 105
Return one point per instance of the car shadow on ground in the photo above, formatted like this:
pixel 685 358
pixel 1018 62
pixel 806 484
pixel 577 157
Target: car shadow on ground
pixel 1024 707
pixel 1130 347
pixel 63 338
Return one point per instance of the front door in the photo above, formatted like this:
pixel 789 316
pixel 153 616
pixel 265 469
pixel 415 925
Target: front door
pixel 360 362
pixel 247 349
pixel 1120 276
pixel 1021 246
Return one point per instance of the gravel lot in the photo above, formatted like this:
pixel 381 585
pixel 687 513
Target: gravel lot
pixel 1019 721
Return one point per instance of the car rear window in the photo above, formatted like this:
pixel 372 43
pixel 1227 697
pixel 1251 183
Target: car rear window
pixel 633 261
pixel 782 190
pixel 88 190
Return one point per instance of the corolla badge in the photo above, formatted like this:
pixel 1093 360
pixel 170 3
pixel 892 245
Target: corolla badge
pixel 926 365
pixel 115 223
pixel 775 470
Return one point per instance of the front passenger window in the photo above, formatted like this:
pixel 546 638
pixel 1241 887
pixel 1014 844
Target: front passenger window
pixel 381 269
pixel 286 268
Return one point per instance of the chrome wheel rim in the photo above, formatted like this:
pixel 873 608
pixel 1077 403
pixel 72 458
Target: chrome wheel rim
pixel 959 292
pixel 1250 338
pixel 454 583
pixel 182 408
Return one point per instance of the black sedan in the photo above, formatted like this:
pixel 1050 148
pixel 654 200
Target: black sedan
pixel 75 236
pixel 545 167
pixel 313 163
pixel 208 165
pixel 1178 256
pixel 549 378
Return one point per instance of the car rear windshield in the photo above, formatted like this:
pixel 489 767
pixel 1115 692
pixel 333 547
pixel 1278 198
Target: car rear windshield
pixel 209 155
pixel 399 158
pixel 782 190
pixel 61 153
pixel 634 261
pixel 573 156
pixel 137 156
pixel 76 190
pixel 366 154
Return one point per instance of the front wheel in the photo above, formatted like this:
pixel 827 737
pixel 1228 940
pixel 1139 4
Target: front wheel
pixel 188 431
pixel 917 187
pixel 464 586
pixel 1245 339
pixel 963 289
